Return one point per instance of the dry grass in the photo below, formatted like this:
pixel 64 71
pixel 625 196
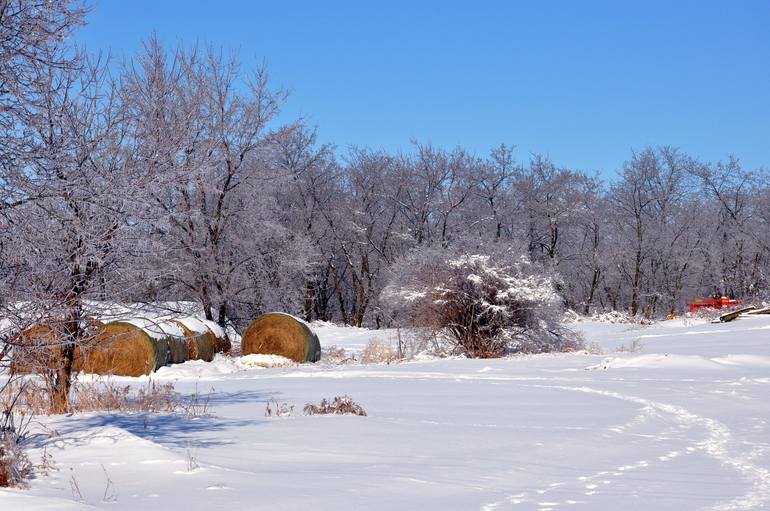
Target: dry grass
pixel 278 409
pixel 197 405
pixel 105 395
pixel 341 405
pixel 336 355
pixel 28 397
pixel 633 346
pixel 379 352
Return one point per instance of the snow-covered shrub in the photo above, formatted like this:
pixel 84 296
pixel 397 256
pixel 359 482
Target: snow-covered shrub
pixel 487 305
pixel 15 467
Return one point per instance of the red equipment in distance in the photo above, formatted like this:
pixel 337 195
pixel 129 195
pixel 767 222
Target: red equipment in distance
pixel 712 303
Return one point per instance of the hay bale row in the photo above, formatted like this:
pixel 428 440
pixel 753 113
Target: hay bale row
pixel 129 347
pixel 139 346
pixel 276 333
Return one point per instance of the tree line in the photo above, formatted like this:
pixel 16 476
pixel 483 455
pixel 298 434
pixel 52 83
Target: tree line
pixel 172 176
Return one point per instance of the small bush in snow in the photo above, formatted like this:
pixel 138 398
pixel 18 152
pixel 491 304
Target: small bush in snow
pixel 633 346
pixel 341 405
pixel 278 409
pixel 106 395
pixel 488 306
pixel 378 352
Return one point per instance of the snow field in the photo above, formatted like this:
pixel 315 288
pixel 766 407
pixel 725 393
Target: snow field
pixel 679 423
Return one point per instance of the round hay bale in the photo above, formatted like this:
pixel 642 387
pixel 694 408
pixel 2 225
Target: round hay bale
pixel 276 333
pixel 92 328
pixel 200 342
pixel 122 348
pixel 35 349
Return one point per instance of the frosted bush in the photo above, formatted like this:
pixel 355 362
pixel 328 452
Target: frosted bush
pixel 487 306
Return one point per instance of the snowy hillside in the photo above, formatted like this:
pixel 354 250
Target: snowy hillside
pixel 672 416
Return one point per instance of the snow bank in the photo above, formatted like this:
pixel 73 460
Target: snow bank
pixel 257 360
pixel 220 366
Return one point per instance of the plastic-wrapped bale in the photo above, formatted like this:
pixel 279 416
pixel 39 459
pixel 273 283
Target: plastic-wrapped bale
pixel 171 333
pixel 276 333
pixel 222 342
pixel 201 343
pixel 132 347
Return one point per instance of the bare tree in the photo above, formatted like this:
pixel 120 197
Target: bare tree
pixel 64 248
pixel 217 149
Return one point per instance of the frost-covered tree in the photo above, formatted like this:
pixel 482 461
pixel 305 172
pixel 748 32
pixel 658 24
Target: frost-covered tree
pixel 209 133
pixel 76 238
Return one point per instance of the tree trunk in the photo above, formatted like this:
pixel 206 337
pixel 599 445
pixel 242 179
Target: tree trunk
pixel 309 300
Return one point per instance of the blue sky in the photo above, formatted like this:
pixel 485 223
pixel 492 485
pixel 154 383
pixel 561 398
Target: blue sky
pixel 584 82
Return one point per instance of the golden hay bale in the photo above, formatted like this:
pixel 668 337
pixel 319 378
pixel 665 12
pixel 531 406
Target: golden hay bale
pixel 200 342
pixel 124 349
pixel 35 349
pixel 276 333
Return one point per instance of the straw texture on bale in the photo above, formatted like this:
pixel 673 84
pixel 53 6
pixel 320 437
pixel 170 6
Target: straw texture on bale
pixel 276 333
pixel 200 343
pixel 35 349
pixel 124 349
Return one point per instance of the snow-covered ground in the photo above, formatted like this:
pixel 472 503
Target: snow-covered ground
pixel 676 420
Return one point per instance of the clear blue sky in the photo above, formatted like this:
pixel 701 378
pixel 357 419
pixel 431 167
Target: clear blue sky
pixel 581 81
